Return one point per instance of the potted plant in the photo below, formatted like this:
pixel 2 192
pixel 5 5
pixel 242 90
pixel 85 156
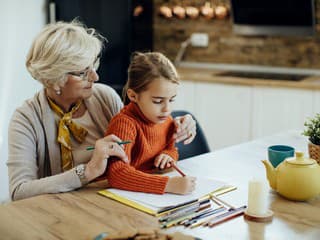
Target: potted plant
pixel 312 130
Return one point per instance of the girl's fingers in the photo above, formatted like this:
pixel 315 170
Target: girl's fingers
pixel 170 162
pixel 157 161
pixel 164 162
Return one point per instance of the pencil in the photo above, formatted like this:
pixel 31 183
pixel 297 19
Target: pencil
pixel 120 143
pixel 220 201
pixel 184 210
pixel 178 169
pixel 203 219
pixel 226 216
pixel 124 142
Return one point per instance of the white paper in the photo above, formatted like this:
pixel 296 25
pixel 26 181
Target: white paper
pixel 203 187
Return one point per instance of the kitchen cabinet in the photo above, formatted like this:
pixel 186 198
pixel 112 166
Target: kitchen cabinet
pixel 223 111
pixel 279 109
pixel 185 97
pixel 231 114
pixel 316 103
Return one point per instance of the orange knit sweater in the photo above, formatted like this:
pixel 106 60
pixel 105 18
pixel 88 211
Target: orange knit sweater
pixel 148 141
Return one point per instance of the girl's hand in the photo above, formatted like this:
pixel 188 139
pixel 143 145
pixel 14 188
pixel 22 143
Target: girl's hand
pixel 181 185
pixel 186 129
pixel 163 161
pixel 103 149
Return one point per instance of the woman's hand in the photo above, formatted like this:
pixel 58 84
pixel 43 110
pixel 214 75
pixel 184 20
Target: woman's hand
pixel 103 149
pixel 186 129
pixel 181 185
pixel 163 161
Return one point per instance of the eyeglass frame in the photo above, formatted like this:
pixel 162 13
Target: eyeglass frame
pixel 84 75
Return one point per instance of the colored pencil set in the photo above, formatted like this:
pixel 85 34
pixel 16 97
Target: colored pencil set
pixel 206 212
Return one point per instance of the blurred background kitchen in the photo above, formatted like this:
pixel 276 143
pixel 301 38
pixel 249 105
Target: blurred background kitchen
pixel 249 68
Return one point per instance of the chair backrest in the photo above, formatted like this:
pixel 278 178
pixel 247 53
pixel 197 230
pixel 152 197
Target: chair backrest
pixel 198 146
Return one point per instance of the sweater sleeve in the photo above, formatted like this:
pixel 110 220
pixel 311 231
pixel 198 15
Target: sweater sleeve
pixel 125 176
pixel 23 158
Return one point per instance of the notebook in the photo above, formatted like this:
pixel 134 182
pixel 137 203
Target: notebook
pixel 159 204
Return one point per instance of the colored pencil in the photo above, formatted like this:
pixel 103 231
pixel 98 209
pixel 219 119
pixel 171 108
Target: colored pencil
pixel 220 201
pixel 226 216
pixel 178 170
pixel 120 143
pixel 188 214
pixel 124 142
pixel 183 210
pixel 203 219
pixel 180 207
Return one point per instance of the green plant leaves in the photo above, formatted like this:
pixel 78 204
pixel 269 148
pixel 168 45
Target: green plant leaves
pixel 312 129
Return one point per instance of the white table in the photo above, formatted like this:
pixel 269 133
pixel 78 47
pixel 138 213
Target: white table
pixel 237 165
pixel 84 214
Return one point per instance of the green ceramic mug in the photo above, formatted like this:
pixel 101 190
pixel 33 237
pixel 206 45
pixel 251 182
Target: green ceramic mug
pixel 278 153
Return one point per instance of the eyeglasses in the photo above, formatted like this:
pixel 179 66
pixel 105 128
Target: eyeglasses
pixel 84 75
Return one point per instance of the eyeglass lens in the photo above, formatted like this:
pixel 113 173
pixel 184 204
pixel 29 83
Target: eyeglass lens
pixel 85 75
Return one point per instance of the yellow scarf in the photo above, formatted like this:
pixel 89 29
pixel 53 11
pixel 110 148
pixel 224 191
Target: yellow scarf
pixel 65 126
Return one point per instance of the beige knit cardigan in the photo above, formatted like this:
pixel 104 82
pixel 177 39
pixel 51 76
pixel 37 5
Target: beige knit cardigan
pixel 34 163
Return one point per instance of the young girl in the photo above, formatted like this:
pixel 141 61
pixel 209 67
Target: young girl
pixel 146 122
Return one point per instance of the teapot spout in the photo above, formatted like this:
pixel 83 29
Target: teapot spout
pixel 271 174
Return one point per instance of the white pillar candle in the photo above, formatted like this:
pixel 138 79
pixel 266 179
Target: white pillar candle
pixel 257 197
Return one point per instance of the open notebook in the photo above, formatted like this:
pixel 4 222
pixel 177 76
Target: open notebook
pixel 158 204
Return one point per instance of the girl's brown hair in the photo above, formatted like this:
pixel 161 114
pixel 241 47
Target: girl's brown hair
pixel 146 67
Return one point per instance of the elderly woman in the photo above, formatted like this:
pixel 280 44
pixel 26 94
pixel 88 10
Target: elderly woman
pixel 49 134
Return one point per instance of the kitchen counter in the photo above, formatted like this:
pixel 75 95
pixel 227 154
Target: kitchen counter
pixel 261 107
pixel 207 74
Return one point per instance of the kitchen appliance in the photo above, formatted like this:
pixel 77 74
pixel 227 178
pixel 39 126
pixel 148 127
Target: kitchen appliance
pixel 273 17
pixel 127 25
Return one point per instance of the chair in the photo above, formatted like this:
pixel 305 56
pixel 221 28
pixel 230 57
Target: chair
pixel 198 146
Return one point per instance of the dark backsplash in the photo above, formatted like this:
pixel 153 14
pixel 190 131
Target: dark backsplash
pixel 226 47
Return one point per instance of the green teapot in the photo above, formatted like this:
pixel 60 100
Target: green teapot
pixel 296 178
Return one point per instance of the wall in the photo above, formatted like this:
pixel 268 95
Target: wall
pixel 20 22
pixel 226 47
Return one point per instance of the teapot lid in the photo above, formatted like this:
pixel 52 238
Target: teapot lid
pixel 300 160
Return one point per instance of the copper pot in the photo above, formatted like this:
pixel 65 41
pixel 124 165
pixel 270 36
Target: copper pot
pixel 207 11
pixel 165 11
pixel 221 12
pixel 192 12
pixel 179 11
pixel 137 11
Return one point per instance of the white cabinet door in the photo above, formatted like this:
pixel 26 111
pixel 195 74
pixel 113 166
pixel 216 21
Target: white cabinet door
pixel 231 114
pixel 280 109
pixel 224 112
pixel 316 103
pixel 185 96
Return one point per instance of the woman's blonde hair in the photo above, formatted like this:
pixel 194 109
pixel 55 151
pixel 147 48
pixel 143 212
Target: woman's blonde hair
pixel 61 48
pixel 145 68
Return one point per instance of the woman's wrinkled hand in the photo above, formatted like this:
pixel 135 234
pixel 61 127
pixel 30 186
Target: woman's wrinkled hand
pixel 103 149
pixel 186 129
